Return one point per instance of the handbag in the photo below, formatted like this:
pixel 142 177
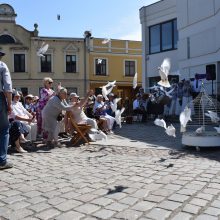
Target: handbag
pixel 60 117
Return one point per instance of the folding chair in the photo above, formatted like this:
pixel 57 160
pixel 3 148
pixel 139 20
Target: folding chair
pixel 81 130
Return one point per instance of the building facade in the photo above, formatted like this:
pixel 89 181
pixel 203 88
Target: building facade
pixel 115 60
pixel 71 61
pixel 63 61
pixel 186 31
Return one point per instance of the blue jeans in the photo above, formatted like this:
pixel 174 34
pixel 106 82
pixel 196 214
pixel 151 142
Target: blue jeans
pixel 4 129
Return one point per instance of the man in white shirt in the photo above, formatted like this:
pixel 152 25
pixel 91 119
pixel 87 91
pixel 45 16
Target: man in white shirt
pixel 21 114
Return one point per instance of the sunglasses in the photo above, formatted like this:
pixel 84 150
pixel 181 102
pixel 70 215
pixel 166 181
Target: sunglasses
pixel 50 82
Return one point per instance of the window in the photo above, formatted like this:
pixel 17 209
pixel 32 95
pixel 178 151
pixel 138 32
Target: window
pixel 100 67
pixel 167 36
pixel 6 39
pixel 19 63
pixel 70 63
pixel 46 63
pixel 155 39
pixel 129 68
pixel 163 37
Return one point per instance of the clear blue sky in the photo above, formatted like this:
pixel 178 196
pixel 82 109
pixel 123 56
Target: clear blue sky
pixel 117 19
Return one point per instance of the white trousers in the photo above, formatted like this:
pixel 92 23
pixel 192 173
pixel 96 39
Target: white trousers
pixel 32 128
pixel 110 121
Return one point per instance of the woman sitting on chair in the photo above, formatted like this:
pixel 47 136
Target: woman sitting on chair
pixel 77 111
pixel 99 110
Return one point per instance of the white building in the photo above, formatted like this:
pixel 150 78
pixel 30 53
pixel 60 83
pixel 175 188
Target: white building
pixel 186 31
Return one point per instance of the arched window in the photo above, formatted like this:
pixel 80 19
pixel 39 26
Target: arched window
pixel 6 39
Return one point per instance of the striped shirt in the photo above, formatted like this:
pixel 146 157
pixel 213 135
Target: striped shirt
pixel 5 78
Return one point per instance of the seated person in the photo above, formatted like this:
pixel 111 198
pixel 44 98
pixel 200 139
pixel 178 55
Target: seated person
pixel 99 109
pixel 109 104
pixel 29 103
pixel 78 113
pixel 19 113
pixel 18 131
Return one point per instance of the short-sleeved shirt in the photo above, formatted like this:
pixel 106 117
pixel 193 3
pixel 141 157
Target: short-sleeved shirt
pixel 5 78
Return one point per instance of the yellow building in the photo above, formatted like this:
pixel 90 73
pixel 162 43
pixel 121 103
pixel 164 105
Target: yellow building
pixel 115 60
pixel 63 61
pixel 75 62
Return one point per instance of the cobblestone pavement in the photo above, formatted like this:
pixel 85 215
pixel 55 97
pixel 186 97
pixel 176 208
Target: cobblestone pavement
pixel 138 174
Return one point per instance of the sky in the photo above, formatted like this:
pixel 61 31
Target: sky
pixel 116 19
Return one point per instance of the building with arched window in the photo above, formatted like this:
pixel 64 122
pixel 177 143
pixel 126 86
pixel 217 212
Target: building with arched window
pixel 63 61
pixel 71 61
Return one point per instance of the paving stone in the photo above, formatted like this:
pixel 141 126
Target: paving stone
pixel 20 214
pixel 56 200
pixel 198 202
pixel 129 214
pixel 188 192
pixel 86 197
pixel 143 206
pixel 163 192
pixel 158 214
pixel 141 193
pixel 47 214
pixel 205 196
pixel 36 199
pixel 13 199
pixel 67 205
pixel 69 195
pixel 87 208
pixel 181 216
pixel 70 216
pixel 206 217
pixel 178 198
pixel 117 206
pixel 194 209
pixel 129 200
pixel 39 207
pixel 104 214
pixel 19 205
pixel 169 205
pixel 212 211
pixel 102 201
pixel 216 203
pixel 172 186
pixel 154 198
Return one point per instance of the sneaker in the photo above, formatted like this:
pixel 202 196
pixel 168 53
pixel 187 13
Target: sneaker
pixel 6 165
pixel 20 150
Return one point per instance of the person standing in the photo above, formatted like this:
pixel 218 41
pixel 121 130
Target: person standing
pixel 5 109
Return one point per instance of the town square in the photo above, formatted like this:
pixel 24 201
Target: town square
pixel 116 118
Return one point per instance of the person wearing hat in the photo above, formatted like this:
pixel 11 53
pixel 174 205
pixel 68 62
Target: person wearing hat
pixel 109 104
pixel 19 113
pixel 29 103
pixel 77 110
pixel 5 108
